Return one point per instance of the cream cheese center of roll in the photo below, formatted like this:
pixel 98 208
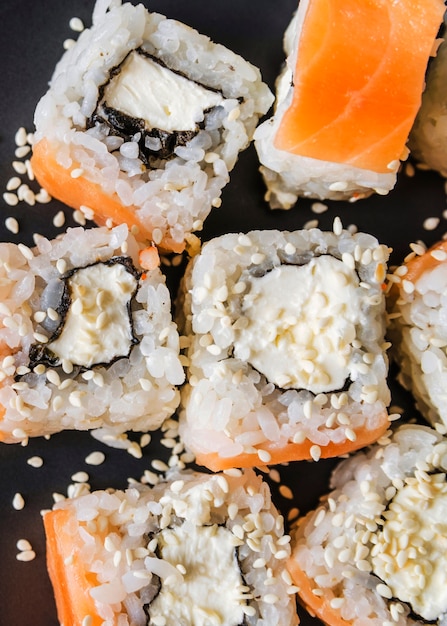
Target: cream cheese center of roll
pixel 97 327
pixel 209 588
pixel 300 321
pixel 411 550
pixel 165 100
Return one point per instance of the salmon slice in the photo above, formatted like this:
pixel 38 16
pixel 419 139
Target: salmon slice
pixel 358 79
pixel 296 451
pixel 79 191
pixel 71 581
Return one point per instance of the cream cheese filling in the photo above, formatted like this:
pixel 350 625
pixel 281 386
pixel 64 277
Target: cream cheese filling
pixel 165 100
pixel 209 588
pixel 299 324
pixel 411 550
pixel 97 328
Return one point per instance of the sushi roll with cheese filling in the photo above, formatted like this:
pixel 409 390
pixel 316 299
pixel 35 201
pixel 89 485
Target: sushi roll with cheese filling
pixel 286 353
pixel 347 98
pixel 373 551
pixel 417 311
pixel 195 549
pixel 143 120
pixel 87 339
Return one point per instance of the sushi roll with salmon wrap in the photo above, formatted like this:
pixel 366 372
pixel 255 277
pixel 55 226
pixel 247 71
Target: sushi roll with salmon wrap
pixel 143 121
pixel 417 311
pixel 347 98
pixel 372 553
pixel 285 347
pixel 195 549
pixel 87 339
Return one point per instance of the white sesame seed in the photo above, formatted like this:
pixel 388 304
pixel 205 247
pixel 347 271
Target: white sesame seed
pixel 68 43
pixel 26 555
pixel 76 24
pixel 22 151
pixel 95 458
pixel 35 461
pixel 431 223
pixel 19 167
pixel 10 198
pixel 18 502
pixel 12 225
pixel 13 183
pixel 23 544
pixel 337 226
pixel 59 219
pixel 319 207
pixel 315 452
pixel 159 465
pixel 264 456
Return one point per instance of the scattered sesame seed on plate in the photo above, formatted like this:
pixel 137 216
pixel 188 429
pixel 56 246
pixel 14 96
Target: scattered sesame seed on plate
pixel 95 458
pixel 11 199
pixel 12 225
pixel 76 24
pixel 35 461
pixel 18 502
pixel 431 223
pixel 59 219
pixel 26 555
pixel 80 477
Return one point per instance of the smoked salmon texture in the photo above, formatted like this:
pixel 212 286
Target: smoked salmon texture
pixel 358 78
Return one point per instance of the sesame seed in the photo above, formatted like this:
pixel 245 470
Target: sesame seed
pixel 68 43
pixel 337 226
pixel 19 167
pixel 59 219
pixel 26 555
pixel 23 544
pixel 22 151
pixel 319 207
pixel 95 458
pixel 35 461
pixel 315 452
pixel 286 492
pixel 76 24
pixel 18 502
pixel 264 456
pixel 11 199
pixel 13 183
pixel 431 223
pixel 12 225
pixel 20 138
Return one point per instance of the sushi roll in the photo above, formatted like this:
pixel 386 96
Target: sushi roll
pixel 417 310
pixel 195 549
pixel 143 120
pixel 86 336
pixel 346 99
pixel 285 347
pixel 372 553
pixel 428 136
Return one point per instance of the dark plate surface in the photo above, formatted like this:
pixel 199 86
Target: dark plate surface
pixel 31 41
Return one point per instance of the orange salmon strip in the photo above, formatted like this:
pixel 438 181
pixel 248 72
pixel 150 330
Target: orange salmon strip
pixel 317 606
pixel 75 192
pixel 294 451
pixel 358 80
pixel 71 583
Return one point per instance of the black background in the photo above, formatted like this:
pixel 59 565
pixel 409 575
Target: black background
pixel 31 42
